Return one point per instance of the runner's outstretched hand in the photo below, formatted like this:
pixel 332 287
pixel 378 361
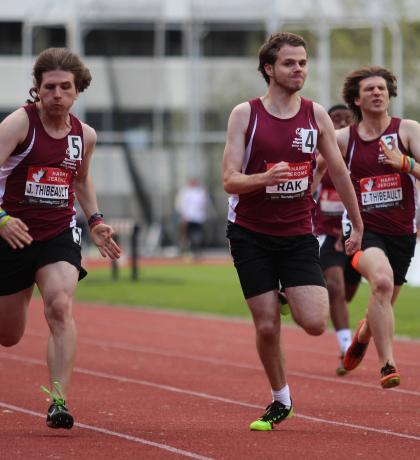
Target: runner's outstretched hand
pixel 101 235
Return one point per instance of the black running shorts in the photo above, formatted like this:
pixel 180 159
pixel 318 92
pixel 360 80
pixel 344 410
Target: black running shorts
pixel 330 257
pixel 18 266
pixel 262 261
pixel 398 248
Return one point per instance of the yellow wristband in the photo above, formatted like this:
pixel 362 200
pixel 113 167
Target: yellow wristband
pixel 4 221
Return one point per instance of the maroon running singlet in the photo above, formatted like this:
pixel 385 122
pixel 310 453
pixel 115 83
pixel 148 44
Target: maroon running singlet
pixel 387 198
pixel 36 181
pixel 329 208
pixel 284 209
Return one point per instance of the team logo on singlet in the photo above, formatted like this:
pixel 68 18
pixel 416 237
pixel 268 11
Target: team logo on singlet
pixel 305 140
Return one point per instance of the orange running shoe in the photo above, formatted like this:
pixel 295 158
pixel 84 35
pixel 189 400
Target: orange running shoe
pixel 356 351
pixel 390 376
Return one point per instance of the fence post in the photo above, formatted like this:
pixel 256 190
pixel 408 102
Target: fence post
pixel 135 252
pixel 114 263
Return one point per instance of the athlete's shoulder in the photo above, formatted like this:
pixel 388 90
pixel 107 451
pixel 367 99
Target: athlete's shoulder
pixel 240 115
pixel 16 124
pixel 409 124
pixel 319 110
pixel 242 109
pixel 343 137
pixel 89 134
pixel 409 131
pixel 322 118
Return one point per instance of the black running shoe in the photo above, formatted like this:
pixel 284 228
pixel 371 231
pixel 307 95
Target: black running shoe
pixel 58 416
pixel 274 413
pixel 390 377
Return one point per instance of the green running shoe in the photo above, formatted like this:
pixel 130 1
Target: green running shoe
pixel 58 416
pixel 284 304
pixel 274 413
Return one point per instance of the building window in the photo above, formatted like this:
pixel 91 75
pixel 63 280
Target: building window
pixel 223 41
pixel 44 37
pixel 174 42
pixel 10 37
pixel 120 42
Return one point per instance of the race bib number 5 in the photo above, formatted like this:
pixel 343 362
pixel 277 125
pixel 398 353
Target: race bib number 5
pixel 296 185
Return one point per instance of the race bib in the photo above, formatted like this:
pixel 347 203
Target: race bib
pixel 379 192
pixel 74 151
pixel 47 186
pixel 77 235
pixel 309 140
pixel 296 185
pixel 346 225
pixel 388 139
pixel 330 203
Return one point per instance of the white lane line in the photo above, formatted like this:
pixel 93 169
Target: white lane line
pixel 222 362
pixel 209 396
pixel 128 437
pixel 162 311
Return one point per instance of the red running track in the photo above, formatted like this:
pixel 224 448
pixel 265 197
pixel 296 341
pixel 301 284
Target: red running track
pixel 156 385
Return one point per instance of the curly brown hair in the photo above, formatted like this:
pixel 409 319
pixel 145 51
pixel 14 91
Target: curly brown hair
pixel 59 59
pixel 268 52
pixel 351 85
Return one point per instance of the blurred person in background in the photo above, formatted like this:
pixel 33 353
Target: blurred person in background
pixel 382 154
pixel 340 277
pixel 45 154
pixel 267 169
pixel 192 206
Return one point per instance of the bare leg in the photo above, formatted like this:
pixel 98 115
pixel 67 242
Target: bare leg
pixel 265 310
pixel 57 283
pixel 351 290
pixel 336 292
pixel 13 316
pixel 374 266
pixel 309 307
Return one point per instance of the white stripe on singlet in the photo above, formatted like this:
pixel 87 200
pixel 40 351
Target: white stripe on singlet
pixel 11 163
pixel 234 199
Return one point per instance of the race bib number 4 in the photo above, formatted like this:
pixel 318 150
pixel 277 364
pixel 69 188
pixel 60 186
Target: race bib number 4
pixel 296 185
pixel 309 140
pixel 380 192
pixel 47 186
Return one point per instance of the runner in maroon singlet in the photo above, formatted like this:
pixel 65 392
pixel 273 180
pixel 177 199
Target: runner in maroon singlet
pixel 267 169
pixel 381 153
pixel 340 277
pixel 44 163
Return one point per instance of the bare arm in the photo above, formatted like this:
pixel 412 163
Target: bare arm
pixel 327 144
pixel 13 131
pixel 234 180
pixel 85 192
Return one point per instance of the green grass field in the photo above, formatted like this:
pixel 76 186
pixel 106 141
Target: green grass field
pixel 214 289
